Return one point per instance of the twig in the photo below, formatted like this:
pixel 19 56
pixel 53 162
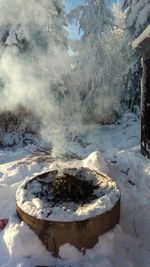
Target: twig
pixel 31 159
pixel 125 172
pixel 42 150
pixel 114 161
pixel 130 182
pixel 75 155
pixel 134 227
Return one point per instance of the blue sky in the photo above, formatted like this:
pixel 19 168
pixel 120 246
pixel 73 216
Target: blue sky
pixel 73 3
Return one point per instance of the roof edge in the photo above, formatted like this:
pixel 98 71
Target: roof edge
pixel 144 35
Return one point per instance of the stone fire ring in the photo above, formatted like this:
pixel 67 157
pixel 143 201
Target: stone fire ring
pixel 80 232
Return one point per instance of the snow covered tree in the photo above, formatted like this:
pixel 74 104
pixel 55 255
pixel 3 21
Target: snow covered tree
pixel 99 61
pixel 32 35
pixel 137 18
pixel 33 56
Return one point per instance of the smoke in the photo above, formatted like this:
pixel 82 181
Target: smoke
pixel 34 62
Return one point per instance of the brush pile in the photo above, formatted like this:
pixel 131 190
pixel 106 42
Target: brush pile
pixel 72 188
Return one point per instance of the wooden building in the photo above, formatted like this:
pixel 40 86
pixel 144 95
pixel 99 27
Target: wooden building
pixel 142 43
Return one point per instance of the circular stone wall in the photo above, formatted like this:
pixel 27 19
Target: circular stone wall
pixel 80 229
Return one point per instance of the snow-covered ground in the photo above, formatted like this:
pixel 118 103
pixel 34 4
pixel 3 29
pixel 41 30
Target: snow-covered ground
pixel 128 245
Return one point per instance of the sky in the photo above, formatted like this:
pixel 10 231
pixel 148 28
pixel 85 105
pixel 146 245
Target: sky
pixel 73 3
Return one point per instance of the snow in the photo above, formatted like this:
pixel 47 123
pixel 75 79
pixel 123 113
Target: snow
pixel 128 245
pixel 145 34
pixel 66 212
pixel 96 161
pixel 17 33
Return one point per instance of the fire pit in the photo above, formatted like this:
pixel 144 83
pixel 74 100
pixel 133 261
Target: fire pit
pixel 73 205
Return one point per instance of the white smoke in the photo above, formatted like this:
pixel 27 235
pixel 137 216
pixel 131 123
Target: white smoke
pixel 34 62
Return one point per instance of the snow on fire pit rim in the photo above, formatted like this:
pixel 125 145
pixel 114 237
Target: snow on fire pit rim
pixel 95 208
